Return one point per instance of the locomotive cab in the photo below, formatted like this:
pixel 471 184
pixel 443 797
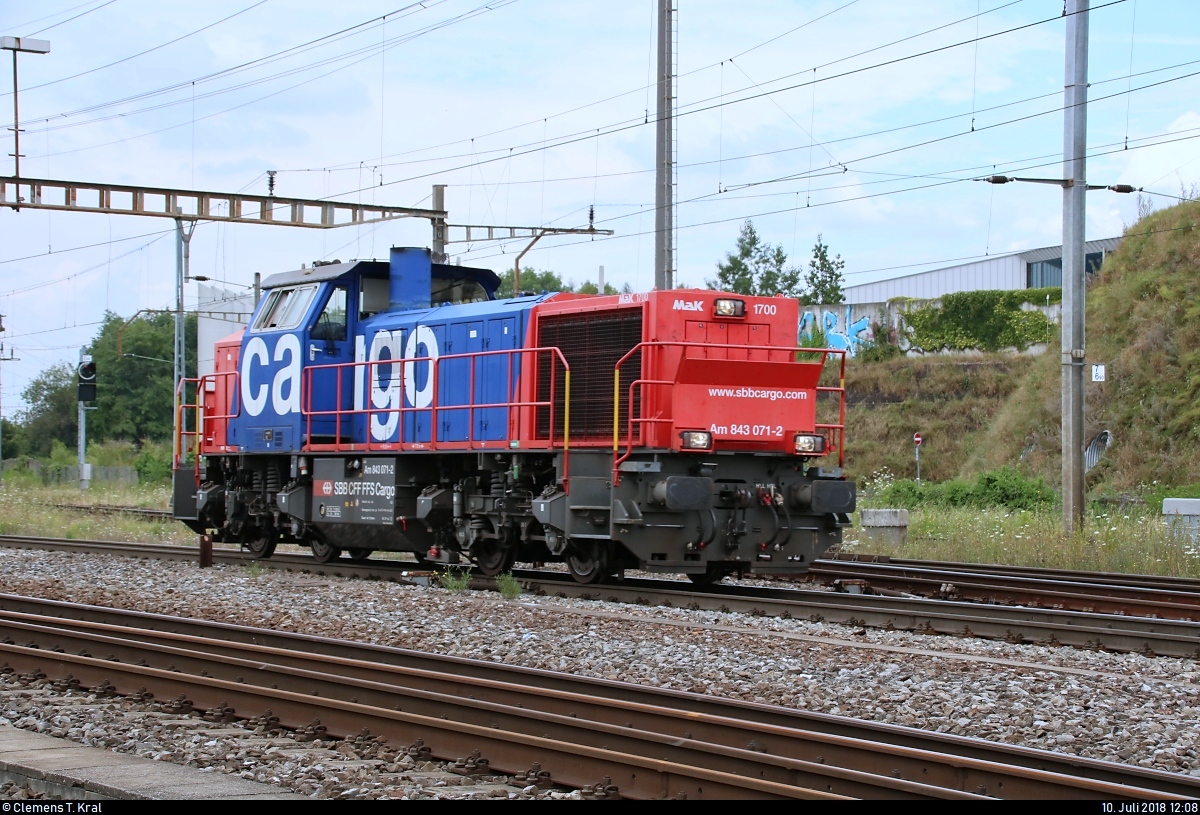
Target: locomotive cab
pixel 399 406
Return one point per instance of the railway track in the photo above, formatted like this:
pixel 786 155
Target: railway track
pixel 1134 595
pixel 1148 581
pixel 1080 629
pixel 1141 596
pixel 609 738
pixel 163 515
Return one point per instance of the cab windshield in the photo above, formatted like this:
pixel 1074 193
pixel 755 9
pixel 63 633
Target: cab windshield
pixel 285 308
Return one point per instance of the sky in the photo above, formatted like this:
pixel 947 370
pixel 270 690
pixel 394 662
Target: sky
pixel 863 122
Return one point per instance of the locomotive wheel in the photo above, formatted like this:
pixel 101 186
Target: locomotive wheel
pixel 493 558
pixel 261 547
pixel 359 555
pixel 587 561
pixel 322 551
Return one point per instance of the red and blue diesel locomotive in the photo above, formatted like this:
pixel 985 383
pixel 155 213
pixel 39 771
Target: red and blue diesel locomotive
pixel 400 406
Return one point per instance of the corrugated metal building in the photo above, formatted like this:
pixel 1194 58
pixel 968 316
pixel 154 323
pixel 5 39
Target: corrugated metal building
pixel 1022 270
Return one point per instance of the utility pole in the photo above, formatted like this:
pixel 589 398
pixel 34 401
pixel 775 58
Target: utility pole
pixel 664 183
pixel 85 476
pixel 183 263
pixel 17 45
pixel 9 358
pixel 1074 270
pixel 439 225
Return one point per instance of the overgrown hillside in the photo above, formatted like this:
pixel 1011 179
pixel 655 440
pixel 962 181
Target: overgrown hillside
pixel 1143 320
pixel 951 401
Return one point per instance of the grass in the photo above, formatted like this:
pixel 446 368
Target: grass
pixel 1135 541
pixel 26 509
pixel 509 586
pixel 981 528
pixel 949 400
pixel 455 579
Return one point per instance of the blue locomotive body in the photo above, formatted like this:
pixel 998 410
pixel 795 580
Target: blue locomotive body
pixel 354 353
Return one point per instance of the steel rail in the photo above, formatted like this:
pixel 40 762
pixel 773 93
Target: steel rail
pixel 783 745
pixel 1038 592
pixel 1146 581
pixel 105 509
pixel 569 718
pixel 1113 582
pixel 1052 627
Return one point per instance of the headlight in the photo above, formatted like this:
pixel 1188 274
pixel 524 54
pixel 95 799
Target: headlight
pixel 730 308
pixel 810 445
pixel 696 439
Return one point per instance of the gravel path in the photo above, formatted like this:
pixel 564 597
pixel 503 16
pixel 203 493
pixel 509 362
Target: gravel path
pixel 1119 707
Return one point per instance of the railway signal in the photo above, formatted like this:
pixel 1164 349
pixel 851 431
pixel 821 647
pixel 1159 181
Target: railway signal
pixel 86 391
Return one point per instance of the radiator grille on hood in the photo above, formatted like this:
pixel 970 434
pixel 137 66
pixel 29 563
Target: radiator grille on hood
pixel 591 342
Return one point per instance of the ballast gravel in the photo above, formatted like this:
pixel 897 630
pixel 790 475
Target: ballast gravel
pixel 349 769
pixel 1126 708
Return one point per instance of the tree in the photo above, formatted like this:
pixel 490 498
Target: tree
pixel 51 412
pixel 538 282
pixel 134 394
pixel 823 283
pixel 531 281
pixel 589 287
pixel 13 443
pixel 756 269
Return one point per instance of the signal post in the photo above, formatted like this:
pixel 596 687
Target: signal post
pixel 85 392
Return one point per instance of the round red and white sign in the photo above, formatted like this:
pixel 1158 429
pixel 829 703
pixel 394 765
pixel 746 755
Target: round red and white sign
pixel 917 439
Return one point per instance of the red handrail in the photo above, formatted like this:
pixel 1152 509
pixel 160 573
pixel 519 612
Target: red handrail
pixel 435 405
pixel 202 420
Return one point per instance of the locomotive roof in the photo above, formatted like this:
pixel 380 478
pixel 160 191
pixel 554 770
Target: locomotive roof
pixel 332 271
pixel 313 274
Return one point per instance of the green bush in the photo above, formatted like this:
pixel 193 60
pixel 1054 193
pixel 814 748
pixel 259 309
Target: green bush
pixel 956 493
pixel 112 453
pixel 1008 488
pixel 882 347
pixel 814 339
pixel 509 586
pixel 1004 488
pixel 455 579
pixel 983 320
pixel 153 464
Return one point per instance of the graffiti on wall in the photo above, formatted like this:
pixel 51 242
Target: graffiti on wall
pixel 845 335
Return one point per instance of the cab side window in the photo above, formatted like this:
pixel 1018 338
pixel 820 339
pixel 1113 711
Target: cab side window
pixel 331 324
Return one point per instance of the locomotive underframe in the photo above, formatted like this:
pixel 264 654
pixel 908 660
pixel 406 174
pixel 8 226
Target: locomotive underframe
pixel 705 514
